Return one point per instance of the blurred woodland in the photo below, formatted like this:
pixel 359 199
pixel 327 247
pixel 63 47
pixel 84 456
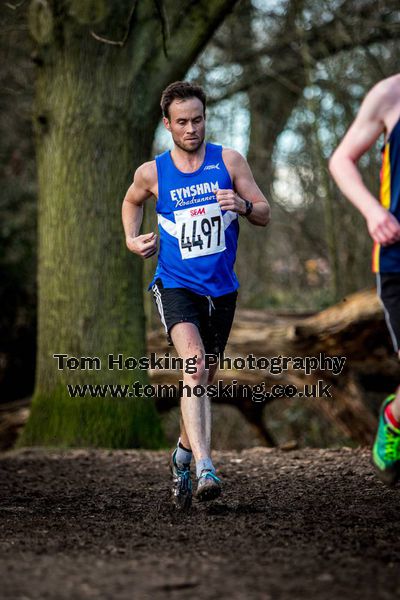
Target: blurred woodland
pixel 284 80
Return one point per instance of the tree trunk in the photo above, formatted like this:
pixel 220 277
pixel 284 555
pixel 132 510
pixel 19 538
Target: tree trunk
pixel 101 70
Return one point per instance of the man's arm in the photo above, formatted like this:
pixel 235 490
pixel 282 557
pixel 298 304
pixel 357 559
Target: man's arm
pixel 144 245
pixel 363 133
pixel 245 188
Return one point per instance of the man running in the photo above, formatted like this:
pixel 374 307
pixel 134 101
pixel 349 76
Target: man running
pixel 201 189
pixel 379 113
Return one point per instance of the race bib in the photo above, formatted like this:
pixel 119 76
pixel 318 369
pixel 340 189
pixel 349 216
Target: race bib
pixel 200 231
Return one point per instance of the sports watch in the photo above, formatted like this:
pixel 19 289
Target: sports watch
pixel 249 208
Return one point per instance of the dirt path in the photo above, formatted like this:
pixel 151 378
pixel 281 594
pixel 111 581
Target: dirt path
pixel 306 524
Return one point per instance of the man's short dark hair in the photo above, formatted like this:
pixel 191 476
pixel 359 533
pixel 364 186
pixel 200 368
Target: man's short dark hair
pixel 181 90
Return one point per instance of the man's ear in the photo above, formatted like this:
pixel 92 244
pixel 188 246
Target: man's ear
pixel 167 123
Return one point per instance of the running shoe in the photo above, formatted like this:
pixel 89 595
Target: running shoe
pixel 208 486
pixel 386 449
pixel 181 485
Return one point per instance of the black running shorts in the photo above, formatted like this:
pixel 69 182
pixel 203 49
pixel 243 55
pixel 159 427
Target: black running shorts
pixel 388 285
pixel 213 316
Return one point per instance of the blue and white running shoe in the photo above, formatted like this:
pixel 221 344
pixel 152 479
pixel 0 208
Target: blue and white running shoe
pixel 181 485
pixel 208 486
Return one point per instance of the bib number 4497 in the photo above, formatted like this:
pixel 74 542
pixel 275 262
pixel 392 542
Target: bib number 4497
pixel 200 231
pixel 204 237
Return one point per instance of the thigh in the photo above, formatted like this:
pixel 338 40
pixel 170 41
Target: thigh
pixel 187 340
pixel 189 346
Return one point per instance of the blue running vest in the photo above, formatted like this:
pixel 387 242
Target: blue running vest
pixel 386 259
pixel 198 241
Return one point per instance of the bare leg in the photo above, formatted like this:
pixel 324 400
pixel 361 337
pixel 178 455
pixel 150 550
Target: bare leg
pixel 196 413
pixel 183 435
pixel 210 377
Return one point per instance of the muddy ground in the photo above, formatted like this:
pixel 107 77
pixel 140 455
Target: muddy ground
pixel 97 524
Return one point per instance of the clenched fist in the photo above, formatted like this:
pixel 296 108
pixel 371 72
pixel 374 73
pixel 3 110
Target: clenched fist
pixel 383 226
pixel 144 245
pixel 229 200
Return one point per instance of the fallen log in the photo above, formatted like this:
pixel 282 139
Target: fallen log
pixel 354 329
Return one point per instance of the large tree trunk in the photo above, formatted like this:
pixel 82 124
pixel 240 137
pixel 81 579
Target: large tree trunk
pixel 101 69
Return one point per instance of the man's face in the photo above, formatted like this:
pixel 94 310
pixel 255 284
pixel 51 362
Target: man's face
pixel 186 123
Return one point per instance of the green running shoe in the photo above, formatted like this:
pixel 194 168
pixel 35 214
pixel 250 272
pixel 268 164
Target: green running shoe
pixel 386 449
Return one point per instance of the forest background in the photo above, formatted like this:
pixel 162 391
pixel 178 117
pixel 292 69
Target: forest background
pixel 284 80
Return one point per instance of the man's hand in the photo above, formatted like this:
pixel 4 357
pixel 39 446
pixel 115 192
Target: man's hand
pixel 383 227
pixel 244 187
pixel 229 200
pixel 144 245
